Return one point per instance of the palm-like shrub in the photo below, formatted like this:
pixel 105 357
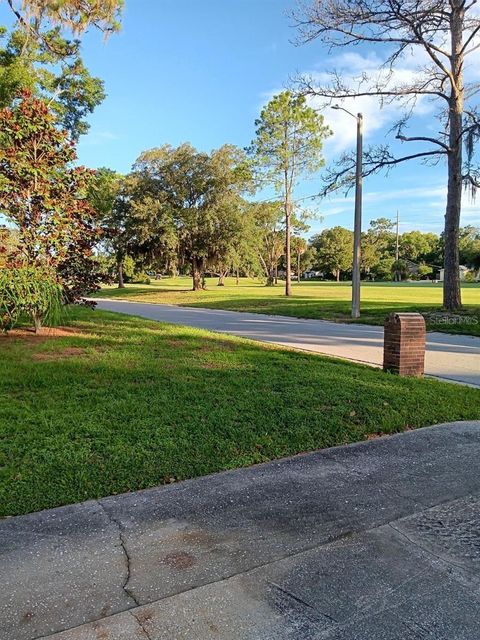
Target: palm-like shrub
pixel 29 292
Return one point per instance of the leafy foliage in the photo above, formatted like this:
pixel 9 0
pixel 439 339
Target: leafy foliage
pixel 288 146
pixel 75 15
pixel 194 199
pixel 42 55
pixel 470 246
pixel 8 244
pixel 52 69
pixel 44 195
pixel 334 250
pixel 31 292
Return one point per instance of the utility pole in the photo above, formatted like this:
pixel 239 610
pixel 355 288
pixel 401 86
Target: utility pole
pixel 357 227
pixel 396 241
pixel 397 235
pixel 357 230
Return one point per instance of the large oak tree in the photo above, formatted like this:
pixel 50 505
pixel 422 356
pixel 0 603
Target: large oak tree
pixel 202 194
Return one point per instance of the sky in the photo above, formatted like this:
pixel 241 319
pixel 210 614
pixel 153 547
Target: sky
pixel 199 72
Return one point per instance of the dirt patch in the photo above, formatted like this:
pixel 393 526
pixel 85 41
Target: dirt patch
pixel 61 354
pixel 219 345
pixel 213 365
pixel 172 342
pixel 28 335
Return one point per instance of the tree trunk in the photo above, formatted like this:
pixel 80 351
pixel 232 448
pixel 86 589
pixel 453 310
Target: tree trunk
pixel 196 275
pixel 237 277
pixel 275 275
pixel 271 278
pixel 121 284
pixel 288 256
pixel 37 322
pixel 298 268
pixel 337 272
pixel 221 278
pixel 451 285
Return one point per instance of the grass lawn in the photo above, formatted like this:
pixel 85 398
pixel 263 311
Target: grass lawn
pixel 117 403
pixel 322 300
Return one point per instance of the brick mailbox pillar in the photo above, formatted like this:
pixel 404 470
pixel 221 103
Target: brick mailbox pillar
pixel 404 344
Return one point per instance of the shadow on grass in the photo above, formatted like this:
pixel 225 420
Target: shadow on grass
pixel 128 292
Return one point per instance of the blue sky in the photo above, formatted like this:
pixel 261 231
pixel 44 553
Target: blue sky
pixel 184 70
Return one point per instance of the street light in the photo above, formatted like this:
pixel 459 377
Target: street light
pixel 357 228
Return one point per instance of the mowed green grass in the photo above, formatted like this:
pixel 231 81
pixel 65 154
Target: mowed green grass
pixel 319 300
pixel 123 403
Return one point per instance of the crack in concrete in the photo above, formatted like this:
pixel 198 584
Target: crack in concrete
pixel 296 598
pixel 328 541
pixel 123 545
pixel 141 625
pixel 367 612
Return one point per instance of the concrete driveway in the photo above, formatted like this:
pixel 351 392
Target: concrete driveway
pixel 374 541
pixel 450 357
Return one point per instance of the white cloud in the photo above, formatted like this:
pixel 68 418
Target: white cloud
pixel 353 67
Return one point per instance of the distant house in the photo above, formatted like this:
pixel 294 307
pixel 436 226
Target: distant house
pixel 411 267
pixel 462 269
pixel 310 275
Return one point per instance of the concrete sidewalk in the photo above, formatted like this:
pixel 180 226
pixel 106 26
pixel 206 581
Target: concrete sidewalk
pixel 379 540
pixel 451 357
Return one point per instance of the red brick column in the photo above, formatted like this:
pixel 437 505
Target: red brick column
pixel 404 344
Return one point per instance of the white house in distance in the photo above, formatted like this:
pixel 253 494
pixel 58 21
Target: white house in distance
pixel 463 271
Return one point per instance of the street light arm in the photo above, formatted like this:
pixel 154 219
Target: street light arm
pixel 337 107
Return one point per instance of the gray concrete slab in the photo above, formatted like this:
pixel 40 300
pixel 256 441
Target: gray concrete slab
pixel 451 357
pixel 369 586
pixel 150 553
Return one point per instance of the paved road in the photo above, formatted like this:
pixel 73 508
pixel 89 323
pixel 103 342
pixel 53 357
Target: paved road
pixel 366 542
pixel 451 357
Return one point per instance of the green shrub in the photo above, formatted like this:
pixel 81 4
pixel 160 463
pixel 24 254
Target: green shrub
pixel 140 278
pixel 30 292
pixel 470 276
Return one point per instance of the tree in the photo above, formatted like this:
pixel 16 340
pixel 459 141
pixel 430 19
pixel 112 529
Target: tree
pixel 288 145
pixel 415 245
pixel 8 244
pixel 241 245
pixel 103 192
pixel 40 56
pixel 29 291
pixel 300 247
pixel 439 38
pixel 138 229
pixel 470 246
pixel 200 191
pixel 246 250
pixel 385 268
pixel 74 15
pixel 377 246
pixel 334 250
pixel 50 68
pixel 269 221
pixel 44 195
